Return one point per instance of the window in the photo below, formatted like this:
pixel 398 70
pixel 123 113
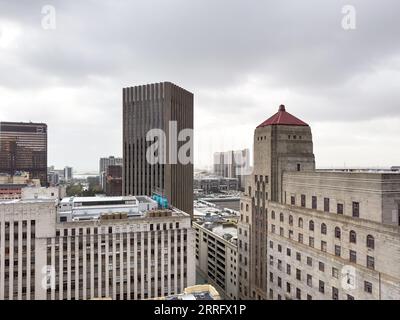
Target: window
pixel 335 272
pixel 292 200
pixel 247 207
pixel 349 297
pixel 337 232
pixel 337 251
pixel 321 286
pixel 271 260
pixel 370 242
pixel 309 261
pixel 311 225
pixel 370 262
pixel 309 280
pixel 281 232
pixel 335 293
pixel 340 208
pixel 288 287
pixel 323 228
pixel 314 202
pixel 271 294
pixel 290 220
pixel 326 204
pixel 280 265
pixel 298 274
pixel 298 166
pixel 353 256
pixel 279 248
pixel 298 293
pixel 356 209
pixel 290 234
pixel 281 217
pixel 309 297
pixel 272 228
pixel 279 282
pixel 300 223
pixel 273 214
pixel 271 277
pixel 323 246
pixel 303 200
pixel 300 238
pixel 288 252
pixel 367 286
pixel 321 266
pixel 353 237
pixel 298 256
pixel 288 269
pixel 311 242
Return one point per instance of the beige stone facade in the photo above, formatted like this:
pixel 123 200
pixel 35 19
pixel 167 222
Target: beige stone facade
pixel 316 234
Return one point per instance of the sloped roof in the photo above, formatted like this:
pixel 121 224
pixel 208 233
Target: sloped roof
pixel 283 118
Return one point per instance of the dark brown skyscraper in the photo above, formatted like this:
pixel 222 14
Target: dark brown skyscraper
pixel 167 107
pixel 23 147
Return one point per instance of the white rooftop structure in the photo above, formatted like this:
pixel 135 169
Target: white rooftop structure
pixel 92 208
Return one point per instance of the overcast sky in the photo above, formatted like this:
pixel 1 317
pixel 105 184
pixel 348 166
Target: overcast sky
pixel 241 59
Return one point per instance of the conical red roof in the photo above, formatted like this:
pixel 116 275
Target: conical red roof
pixel 283 118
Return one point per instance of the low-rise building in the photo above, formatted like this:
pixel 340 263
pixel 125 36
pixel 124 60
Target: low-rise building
pixel 11 185
pixel 216 248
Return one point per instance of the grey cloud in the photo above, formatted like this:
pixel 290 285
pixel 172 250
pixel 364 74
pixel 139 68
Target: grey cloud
pixel 212 48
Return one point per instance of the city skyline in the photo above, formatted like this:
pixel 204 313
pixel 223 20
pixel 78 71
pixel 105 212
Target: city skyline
pixel 343 81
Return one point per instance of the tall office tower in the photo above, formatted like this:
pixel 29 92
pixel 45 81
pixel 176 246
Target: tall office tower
pixel 103 165
pixel 157 106
pixel 232 164
pixel 122 248
pixel 23 147
pixel 315 234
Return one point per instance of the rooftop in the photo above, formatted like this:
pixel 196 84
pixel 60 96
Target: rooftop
pixel 282 117
pixel 196 292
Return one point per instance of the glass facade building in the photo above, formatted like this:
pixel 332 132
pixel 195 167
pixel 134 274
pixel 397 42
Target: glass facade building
pixel 23 147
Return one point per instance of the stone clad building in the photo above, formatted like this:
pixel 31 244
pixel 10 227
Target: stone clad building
pixel 315 234
pixel 120 248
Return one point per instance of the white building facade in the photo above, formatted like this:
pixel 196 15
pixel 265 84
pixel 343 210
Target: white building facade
pixel 112 256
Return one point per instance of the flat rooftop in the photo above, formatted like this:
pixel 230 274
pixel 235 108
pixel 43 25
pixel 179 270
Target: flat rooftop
pixel 102 199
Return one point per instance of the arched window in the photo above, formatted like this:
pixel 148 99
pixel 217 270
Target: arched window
pixel 290 220
pixel 273 215
pixel 337 232
pixel 247 207
pixel 353 236
pixel 323 228
pixel 300 223
pixel 370 242
pixel 311 225
pixel 281 217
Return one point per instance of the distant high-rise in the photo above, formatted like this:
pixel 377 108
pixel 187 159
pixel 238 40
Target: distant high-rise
pixel 113 181
pixel 103 165
pixel 68 174
pixel 232 164
pixel 23 147
pixel 157 106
